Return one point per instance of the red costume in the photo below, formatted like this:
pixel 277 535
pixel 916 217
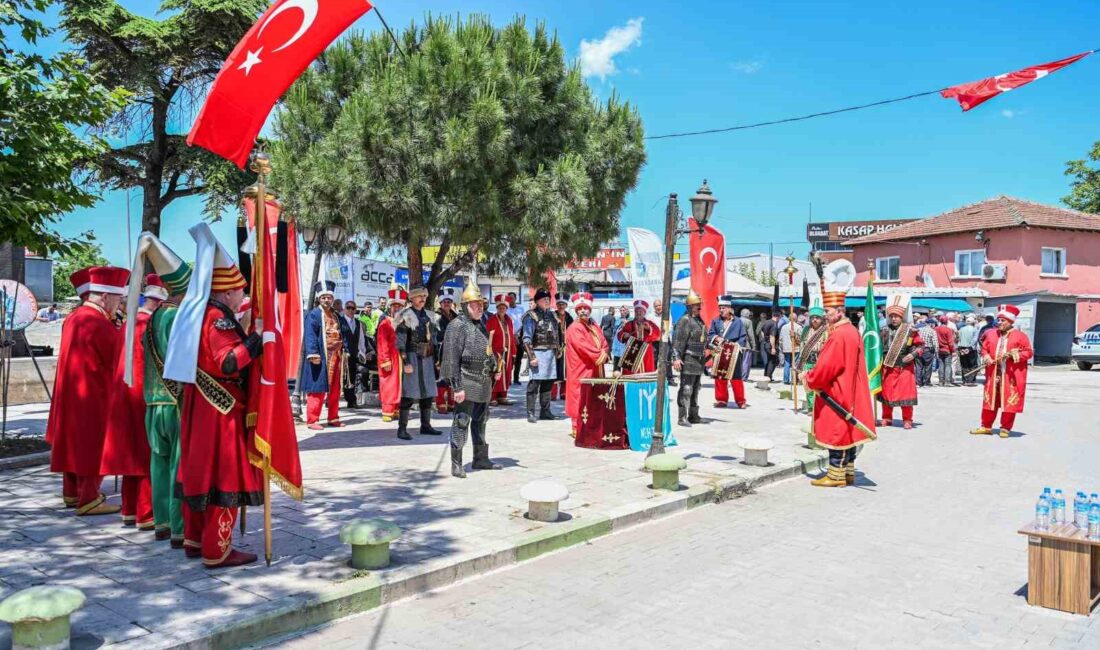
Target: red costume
pixel 126 447
pixel 215 477
pixel 502 336
pixel 646 331
pixel 390 364
pixel 77 425
pixel 585 354
pixel 1006 376
pixel 899 378
pixel 444 395
pixel 841 372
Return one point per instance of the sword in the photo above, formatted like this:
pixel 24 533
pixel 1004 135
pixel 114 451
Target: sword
pixel 846 415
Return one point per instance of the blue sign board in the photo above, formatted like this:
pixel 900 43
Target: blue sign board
pixel 641 414
pixel 401 276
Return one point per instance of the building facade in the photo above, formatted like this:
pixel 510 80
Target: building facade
pixel 1044 258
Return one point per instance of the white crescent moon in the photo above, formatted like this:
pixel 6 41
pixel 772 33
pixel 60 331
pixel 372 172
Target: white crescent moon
pixel 703 254
pixel 309 14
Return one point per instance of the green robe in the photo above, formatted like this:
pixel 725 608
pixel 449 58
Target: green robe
pixel 162 422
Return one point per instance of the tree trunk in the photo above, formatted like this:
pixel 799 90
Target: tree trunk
pixel 154 169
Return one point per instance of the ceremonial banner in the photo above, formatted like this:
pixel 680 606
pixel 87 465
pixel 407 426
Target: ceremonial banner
pixel 647 264
pixel 708 267
pixel 641 414
pixel 603 416
pixel 275 52
pixel 872 343
pixel 290 302
pixel 975 93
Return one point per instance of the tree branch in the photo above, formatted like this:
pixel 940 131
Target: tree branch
pixel 180 193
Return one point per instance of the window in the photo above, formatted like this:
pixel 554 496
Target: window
pixel 888 269
pixel 968 264
pixel 1054 261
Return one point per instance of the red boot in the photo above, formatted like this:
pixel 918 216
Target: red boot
pixel 235 558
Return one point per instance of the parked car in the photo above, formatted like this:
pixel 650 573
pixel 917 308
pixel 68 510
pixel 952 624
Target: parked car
pixel 1086 348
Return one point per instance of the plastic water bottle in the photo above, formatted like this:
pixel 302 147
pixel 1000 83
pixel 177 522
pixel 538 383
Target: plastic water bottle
pixel 1042 512
pixel 1094 521
pixel 1081 510
pixel 1058 508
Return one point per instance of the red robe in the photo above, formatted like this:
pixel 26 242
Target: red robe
pixel 502 336
pixel 651 334
pixel 899 384
pixel 126 447
pixel 585 353
pixel 841 372
pixel 214 468
pixel 390 368
pixel 1005 382
pixel 90 344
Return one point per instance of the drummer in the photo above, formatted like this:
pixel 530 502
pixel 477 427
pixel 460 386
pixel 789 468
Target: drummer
pixel 639 335
pixel 728 340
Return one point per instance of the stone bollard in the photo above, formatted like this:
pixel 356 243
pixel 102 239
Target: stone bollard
pixel 543 498
pixel 666 470
pixel 756 451
pixel 370 542
pixel 39 616
pixel 763 384
pixel 784 394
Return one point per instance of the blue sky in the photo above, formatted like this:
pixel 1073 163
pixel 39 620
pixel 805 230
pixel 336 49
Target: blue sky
pixel 695 65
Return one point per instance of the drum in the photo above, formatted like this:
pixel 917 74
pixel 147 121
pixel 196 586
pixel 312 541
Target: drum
pixel 727 359
pixel 633 359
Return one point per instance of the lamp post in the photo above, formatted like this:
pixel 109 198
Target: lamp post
pixel 702 206
pixel 314 238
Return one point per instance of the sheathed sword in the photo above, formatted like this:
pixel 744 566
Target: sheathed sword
pixel 846 415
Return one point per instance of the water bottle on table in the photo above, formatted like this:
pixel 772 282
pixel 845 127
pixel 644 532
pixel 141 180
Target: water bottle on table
pixel 1042 512
pixel 1058 508
pixel 1081 510
pixel 1094 521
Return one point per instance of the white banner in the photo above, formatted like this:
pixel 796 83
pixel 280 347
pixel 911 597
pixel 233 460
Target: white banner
pixel 355 277
pixel 647 263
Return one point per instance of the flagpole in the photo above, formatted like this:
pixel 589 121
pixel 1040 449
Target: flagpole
pixel 262 166
pixel 871 285
pixel 791 270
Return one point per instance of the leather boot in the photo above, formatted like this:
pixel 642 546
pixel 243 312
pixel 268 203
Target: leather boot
pixel 481 459
pixel 403 425
pixel 457 470
pixel 850 474
pixel 834 477
pixel 426 428
pixel 545 413
pixel 532 409
pixel 682 421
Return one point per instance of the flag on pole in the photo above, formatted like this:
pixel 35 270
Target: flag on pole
pixel 872 344
pixel 270 57
pixel 708 267
pixel 975 93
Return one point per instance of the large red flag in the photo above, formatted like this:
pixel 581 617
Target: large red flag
pixel 290 302
pixel 270 420
pixel 275 52
pixel 708 267
pixel 975 93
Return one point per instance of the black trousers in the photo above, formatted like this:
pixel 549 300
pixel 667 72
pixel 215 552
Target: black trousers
pixel 842 457
pixel 349 391
pixel 968 359
pixel 472 416
pixel 687 397
pixel 925 364
pixel 771 362
pixel 517 363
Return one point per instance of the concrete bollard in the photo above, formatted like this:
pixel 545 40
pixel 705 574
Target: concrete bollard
pixel 543 498
pixel 784 394
pixel 756 451
pixel 763 384
pixel 666 470
pixel 370 542
pixel 39 616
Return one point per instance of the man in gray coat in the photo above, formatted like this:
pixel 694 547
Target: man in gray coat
pixel 417 338
pixel 688 358
pixel 470 368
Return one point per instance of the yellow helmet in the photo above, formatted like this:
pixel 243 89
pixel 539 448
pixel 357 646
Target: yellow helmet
pixel 471 294
pixel 693 298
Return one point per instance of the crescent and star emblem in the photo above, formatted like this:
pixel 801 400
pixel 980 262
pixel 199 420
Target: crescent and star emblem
pixel 309 14
pixel 703 261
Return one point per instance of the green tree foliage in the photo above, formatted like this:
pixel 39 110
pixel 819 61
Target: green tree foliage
pixel 476 138
pixel 166 65
pixel 1085 189
pixel 44 104
pixel 71 262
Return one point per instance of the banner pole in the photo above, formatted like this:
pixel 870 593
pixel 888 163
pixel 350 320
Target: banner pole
pixel 871 282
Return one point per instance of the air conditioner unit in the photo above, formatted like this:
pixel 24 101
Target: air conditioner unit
pixel 994 272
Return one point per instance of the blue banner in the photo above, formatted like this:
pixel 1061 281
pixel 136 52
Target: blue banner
pixel 641 414
pixel 401 276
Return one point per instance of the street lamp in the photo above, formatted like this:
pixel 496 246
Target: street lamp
pixel 702 207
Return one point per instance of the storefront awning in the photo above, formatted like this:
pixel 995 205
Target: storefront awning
pixel 942 304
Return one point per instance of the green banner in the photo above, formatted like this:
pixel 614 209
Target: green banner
pixel 872 343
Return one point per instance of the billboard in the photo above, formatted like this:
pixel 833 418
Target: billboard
pixel 840 231
pixel 606 258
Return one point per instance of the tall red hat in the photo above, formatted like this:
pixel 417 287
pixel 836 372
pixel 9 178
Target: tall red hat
pixel 1008 312
pixel 641 304
pixel 105 279
pixel 80 281
pixel 501 299
pixel 154 287
pixel 398 294
pixel 582 299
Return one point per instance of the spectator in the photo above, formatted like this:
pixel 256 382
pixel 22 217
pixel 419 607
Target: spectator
pixel 753 345
pixel 926 362
pixel 968 351
pixel 769 331
pixel 617 346
pixel 989 326
pixel 786 346
pixel 48 314
pixel 609 325
pixel 369 318
pixel 945 337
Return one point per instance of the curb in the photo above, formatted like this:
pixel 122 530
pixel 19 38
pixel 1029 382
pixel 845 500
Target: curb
pixel 27 460
pixel 285 616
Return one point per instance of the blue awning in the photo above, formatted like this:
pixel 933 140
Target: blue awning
pixel 943 304
pixel 859 302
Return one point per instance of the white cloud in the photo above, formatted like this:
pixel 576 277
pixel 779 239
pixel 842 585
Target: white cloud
pixel 598 57
pixel 747 67
pixel 1008 113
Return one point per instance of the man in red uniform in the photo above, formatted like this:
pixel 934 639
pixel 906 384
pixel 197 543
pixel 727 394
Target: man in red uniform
pixel 126 448
pixel 645 333
pixel 1005 353
pixel 586 352
pixel 77 425
pixel 840 373
pixel 502 336
pixel 389 356
pixel 215 477
pixel 902 345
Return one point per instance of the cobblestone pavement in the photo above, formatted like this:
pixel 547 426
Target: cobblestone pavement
pixel 146 594
pixel 922 554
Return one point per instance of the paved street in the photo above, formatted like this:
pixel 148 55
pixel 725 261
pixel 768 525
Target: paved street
pixel 923 553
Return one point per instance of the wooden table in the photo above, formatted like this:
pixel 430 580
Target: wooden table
pixel 1063 568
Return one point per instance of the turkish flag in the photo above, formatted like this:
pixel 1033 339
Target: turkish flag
pixel 275 52
pixel 290 301
pixel 708 267
pixel 975 93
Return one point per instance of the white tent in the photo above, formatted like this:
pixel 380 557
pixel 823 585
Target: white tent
pixel 736 285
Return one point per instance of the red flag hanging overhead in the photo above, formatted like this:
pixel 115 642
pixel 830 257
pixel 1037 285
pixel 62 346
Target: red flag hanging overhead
pixel 708 267
pixel 975 93
pixel 275 52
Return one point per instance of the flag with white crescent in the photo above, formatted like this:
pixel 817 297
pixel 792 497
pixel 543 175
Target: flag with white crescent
pixel 270 57
pixel 975 93
pixel 708 267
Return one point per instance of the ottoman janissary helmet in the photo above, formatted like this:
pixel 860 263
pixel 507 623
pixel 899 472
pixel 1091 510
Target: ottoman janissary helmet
pixel 837 280
pixel 641 304
pixel 898 304
pixel 154 287
pixel 694 299
pixel 1008 312
pixel 324 288
pixel 471 294
pixel 816 309
pixel 582 299
pixel 541 293
pixel 397 294
pixel 561 299
pixel 175 277
pixel 501 299
pixel 725 301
